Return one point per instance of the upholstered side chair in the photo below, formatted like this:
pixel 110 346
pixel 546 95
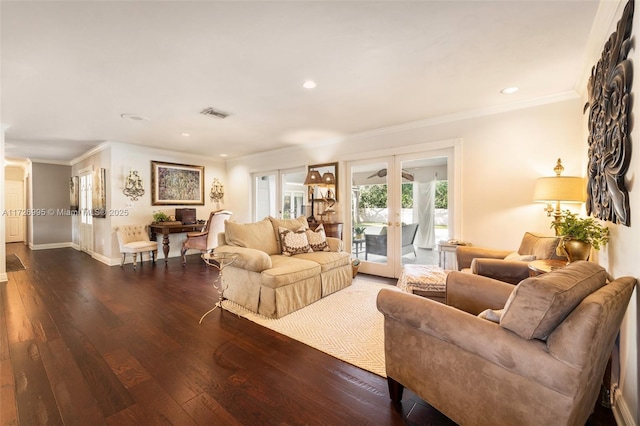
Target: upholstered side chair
pixel 508 265
pixel 207 239
pixel 134 239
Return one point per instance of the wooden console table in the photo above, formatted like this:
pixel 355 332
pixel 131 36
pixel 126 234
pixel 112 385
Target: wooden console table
pixel 331 229
pixel 165 230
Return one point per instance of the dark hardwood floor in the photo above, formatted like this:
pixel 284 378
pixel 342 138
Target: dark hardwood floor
pixel 84 343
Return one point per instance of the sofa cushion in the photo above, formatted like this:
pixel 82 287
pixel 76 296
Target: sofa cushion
pixel 288 270
pixel 293 242
pixel 257 235
pixel 318 239
pixel 291 224
pixel 542 247
pixel 327 260
pixel 538 304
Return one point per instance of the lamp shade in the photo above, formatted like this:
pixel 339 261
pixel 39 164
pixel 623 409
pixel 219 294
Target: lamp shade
pixel 568 189
pixel 313 178
pixel 328 179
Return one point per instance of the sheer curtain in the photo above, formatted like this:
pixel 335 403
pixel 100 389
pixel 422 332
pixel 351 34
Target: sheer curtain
pixel 424 201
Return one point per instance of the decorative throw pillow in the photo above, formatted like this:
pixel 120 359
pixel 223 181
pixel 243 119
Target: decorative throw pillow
pixel 294 242
pixel 318 239
pixel 491 315
pixel 520 257
pixel 291 224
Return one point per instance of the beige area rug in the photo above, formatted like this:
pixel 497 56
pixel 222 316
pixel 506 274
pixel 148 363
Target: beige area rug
pixel 345 324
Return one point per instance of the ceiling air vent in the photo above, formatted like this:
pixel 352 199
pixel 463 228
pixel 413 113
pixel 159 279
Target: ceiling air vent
pixel 214 113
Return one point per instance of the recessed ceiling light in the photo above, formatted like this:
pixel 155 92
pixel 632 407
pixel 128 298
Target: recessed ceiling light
pixel 509 90
pixel 185 134
pixel 134 117
pixel 309 84
pixel 224 155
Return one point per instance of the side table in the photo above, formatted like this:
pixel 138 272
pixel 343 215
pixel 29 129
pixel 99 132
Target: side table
pixel 538 267
pixel 218 261
pixel 449 246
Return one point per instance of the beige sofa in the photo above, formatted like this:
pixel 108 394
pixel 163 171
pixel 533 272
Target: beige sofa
pixel 270 283
pixel 540 360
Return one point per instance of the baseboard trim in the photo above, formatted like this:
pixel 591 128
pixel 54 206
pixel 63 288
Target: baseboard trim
pixel 4 277
pixel 621 411
pixel 50 246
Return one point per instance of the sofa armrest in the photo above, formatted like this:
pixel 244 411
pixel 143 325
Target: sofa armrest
pixel 249 259
pixel 466 254
pixel 480 337
pixel 509 271
pixel 475 293
pixel 335 244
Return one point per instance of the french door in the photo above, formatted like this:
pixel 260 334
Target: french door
pixel 399 208
pixel 86 218
pixel 279 193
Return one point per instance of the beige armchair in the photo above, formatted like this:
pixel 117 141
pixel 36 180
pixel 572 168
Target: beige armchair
pixel 542 362
pixel 507 265
pixel 134 239
pixel 207 239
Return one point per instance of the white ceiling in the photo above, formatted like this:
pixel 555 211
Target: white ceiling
pixel 70 69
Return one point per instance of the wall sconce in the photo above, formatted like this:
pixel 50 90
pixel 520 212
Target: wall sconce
pixel 565 189
pixel 133 186
pixel 217 191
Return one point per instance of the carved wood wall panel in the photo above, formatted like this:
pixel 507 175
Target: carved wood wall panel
pixel 609 140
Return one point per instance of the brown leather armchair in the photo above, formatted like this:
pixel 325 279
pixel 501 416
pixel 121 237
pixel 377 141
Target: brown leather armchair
pixel 507 265
pixel 540 360
pixel 207 239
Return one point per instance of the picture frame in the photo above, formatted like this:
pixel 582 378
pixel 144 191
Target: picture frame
pixel 319 192
pixel 176 184
pixel 99 194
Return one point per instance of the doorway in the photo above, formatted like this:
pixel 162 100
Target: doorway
pixel 399 210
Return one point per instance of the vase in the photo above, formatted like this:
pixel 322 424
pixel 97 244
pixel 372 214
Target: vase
pixel 576 249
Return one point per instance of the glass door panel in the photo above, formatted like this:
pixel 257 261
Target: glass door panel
pixel 424 207
pixel 264 186
pixel 293 193
pixel 371 235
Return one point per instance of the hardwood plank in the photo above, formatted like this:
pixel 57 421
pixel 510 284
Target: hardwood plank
pixel 127 368
pixel 73 396
pixel 35 401
pixel 19 327
pixel 8 409
pixel 205 410
pixel 159 407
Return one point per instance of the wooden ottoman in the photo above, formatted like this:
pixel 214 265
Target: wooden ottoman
pixel 424 280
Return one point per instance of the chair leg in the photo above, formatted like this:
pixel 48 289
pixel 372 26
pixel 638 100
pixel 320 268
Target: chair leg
pixel 153 256
pixel 135 260
pixel 395 390
pixel 124 255
pixel 184 256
